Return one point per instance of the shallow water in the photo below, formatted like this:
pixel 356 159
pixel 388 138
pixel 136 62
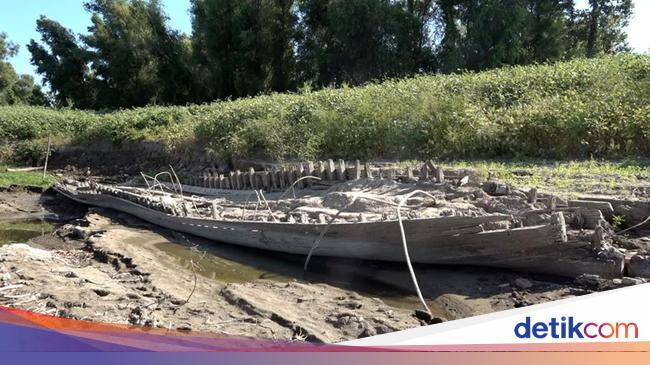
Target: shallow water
pixel 22 230
pixel 234 264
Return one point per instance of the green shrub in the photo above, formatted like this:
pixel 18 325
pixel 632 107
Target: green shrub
pixel 582 108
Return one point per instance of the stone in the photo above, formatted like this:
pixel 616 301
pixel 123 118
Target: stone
pixel 523 283
pixel 591 281
pixel 639 266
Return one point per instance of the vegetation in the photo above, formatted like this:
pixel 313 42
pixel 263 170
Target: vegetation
pixel 578 109
pixel 31 178
pixel 130 57
pixel 16 89
pixel 572 177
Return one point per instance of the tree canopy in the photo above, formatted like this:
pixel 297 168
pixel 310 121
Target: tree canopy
pixel 14 88
pixel 130 56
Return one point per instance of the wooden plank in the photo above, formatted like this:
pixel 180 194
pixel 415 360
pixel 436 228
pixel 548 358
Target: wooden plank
pixel 605 207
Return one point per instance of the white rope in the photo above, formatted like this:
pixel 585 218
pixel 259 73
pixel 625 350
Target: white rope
pixel 294 184
pixel 267 206
pixel 322 233
pixel 401 227
pixel 406 250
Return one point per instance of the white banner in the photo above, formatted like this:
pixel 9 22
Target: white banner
pixel 612 316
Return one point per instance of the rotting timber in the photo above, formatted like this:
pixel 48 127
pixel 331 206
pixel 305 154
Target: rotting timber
pixel 452 222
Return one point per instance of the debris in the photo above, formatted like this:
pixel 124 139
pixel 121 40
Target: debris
pixel 632 281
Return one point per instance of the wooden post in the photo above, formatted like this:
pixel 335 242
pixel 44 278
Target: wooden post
pixel 532 196
pixel 274 178
pixel 300 172
pixel 409 175
pixel 357 170
pixel 341 171
pixel 320 169
pixel 309 172
pixel 239 179
pixel 251 177
pixel 47 155
pixel 233 184
pixel 368 171
pixel 329 170
pixel 266 178
pixel 424 172
pixel 597 238
pixel 439 175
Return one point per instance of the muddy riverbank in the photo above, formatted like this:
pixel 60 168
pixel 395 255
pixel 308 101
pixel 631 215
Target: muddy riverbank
pixel 105 266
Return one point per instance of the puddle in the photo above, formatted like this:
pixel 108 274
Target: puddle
pixel 22 230
pixel 234 264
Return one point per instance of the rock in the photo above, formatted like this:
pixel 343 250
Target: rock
pixel 102 292
pixel 591 281
pixel 639 266
pixel 427 317
pixel 423 315
pixel 523 283
pixel 495 188
pixel 80 233
pixel 632 281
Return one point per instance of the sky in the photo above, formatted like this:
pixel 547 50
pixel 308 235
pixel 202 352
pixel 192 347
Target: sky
pixel 18 20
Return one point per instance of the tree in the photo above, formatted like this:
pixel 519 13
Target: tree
pixel 450 54
pixel 548 28
pixel 137 60
pixel 497 33
pixel 14 88
pixel 358 41
pixel 64 65
pixel 606 21
pixel 245 47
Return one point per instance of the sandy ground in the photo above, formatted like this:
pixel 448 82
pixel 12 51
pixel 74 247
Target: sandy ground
pixel 109 267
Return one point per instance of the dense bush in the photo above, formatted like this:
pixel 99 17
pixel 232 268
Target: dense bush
pixel 582 108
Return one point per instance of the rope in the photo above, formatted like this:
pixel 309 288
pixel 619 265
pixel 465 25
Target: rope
pixel 406 250
pixel 403 235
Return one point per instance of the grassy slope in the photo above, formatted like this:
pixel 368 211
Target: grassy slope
pixel 577 109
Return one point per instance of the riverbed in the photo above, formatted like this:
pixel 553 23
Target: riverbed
pixel 102 265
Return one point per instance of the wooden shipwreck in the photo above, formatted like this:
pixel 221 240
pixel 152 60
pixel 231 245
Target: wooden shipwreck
pixel 492 239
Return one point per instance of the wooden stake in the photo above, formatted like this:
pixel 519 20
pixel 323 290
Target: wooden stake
pixel 532 196
pixel 47 155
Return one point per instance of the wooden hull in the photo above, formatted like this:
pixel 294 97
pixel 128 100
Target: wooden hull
pixel 442 240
